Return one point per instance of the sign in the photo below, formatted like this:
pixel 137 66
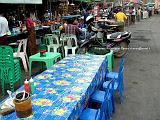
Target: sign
pixel 21 1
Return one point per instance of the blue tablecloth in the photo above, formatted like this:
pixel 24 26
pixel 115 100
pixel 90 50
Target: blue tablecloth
pixel 62 91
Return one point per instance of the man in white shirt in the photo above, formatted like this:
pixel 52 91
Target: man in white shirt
pixel 4 30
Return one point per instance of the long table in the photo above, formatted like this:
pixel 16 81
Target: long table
pixel 63 91
pixel 40 31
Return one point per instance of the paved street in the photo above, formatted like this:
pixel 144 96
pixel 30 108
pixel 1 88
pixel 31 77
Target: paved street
pixel 142 74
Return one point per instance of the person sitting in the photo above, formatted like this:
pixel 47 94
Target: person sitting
pixel 76 22
pixel 81 23
pixel 90 24
pixel 71 28
pixel 91 29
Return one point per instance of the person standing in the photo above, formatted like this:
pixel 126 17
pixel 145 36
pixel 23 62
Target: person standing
pixel 133 15
pixel 4 30
pixel 120 17
pixel 149 9
pixel 139 14
pixel 59 18
pixel 32 47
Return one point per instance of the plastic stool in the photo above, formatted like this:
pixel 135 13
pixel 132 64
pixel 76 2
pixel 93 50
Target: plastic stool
pixel 50 57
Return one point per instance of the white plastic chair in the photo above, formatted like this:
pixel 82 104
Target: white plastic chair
pixel 71 43
pixel 22 54
pixel 53 42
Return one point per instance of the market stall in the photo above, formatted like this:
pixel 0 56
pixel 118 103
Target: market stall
pixel 21 1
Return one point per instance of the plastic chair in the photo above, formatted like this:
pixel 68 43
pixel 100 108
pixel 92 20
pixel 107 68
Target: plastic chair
pixel 114 75
pixel 53 42
pixel 97 114
pixel 22 54
pixel 14 46
pixel 71 43
pixel 10 71
pixel 50 57
pixel 118 84
pixel 99 96
pixel 56 32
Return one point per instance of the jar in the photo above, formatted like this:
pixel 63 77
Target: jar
pixel 23 107
pixel 43 50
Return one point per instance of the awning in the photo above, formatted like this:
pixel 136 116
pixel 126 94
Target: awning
pixel 21 1
pixel 84 0
pixel 71 17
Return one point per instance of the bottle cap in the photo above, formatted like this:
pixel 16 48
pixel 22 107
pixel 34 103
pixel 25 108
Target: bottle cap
pixel 26 81
pixel 31 80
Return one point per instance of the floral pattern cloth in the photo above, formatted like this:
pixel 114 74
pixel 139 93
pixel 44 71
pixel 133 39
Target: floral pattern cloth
pixel 63 91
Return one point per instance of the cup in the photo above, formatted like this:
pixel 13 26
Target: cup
pixel 23 105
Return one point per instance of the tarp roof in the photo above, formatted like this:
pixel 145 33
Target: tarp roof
pixel 84 0
pixel 71 16
pixel 21 1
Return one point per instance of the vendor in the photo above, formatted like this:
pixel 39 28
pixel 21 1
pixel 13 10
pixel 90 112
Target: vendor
pixel 31 35
pixel 4 30
pixel 59 17
pixel 47 16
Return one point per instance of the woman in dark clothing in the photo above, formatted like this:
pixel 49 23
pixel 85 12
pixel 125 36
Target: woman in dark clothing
pixel 32 47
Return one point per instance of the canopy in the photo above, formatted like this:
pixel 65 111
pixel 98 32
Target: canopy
pixel 71 17
pixel 21 1
pixel 84 0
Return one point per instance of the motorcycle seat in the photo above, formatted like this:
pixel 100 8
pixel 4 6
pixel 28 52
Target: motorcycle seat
pixel 117 35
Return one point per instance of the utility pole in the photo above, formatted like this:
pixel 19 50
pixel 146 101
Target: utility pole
pixel 50 9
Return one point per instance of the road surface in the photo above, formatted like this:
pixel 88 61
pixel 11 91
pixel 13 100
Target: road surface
pixel 142 73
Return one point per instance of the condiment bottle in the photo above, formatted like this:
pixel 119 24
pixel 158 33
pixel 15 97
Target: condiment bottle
pixel 32 88
pixel 26 86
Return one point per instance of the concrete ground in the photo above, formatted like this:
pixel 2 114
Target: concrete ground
pixel 142 73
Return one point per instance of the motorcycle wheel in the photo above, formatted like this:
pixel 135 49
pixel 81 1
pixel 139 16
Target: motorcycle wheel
pixel 122 49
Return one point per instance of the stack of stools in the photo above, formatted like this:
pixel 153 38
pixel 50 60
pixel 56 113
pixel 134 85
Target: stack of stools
pixel 10 71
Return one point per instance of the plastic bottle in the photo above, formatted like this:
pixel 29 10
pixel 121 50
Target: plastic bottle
pixel 26 86
pixel 32 88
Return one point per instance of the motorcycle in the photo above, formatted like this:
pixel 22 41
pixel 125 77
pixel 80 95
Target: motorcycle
pixel 118 42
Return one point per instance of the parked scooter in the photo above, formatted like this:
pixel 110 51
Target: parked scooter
pixel 100 44
pixel 118 42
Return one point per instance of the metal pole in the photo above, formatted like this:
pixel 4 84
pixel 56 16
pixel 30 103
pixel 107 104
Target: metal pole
pixel 50 9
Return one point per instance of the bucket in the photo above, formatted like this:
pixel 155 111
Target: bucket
pixel 23 106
